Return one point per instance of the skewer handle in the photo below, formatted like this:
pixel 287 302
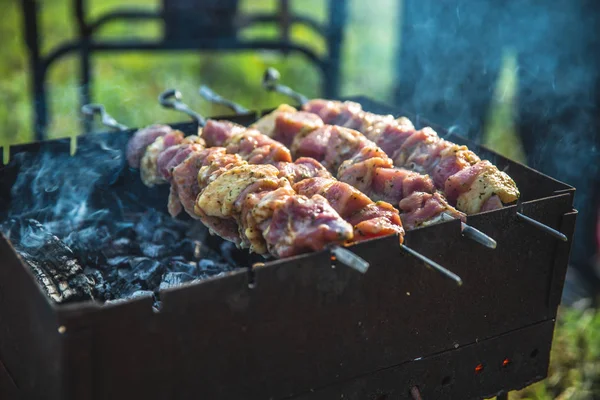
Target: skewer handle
pixel 445 272
pixel 171 98
pixel 543 227
pixel 271 83
pixel 215 98
pixel 350 259
pixel 98 109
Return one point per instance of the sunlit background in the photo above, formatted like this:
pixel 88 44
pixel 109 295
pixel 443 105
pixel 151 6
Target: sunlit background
pixel 128 85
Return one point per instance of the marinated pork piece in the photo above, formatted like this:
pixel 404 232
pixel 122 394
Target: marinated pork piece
pixel 266 124
pixel 136 147
pixel 184 184
pixel 475 185
pixel 302 168
pixel 423 151
pixel 417 209
pixel 250 144
pixel 288 124
pixel 149 165
pixel 299 224
pixel 248 204
pixel 173 156
pixel 369 219
pixel 357 161
pixel 303 225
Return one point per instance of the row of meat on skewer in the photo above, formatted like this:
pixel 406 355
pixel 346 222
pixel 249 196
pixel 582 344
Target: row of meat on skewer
pixel 292 183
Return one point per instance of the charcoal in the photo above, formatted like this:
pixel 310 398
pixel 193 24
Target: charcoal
pixel 131 295
pixel 86 244
pixel 123 288
pixel 154 250
pixel 186 248
pixel 101 286
pixel 95 242
pixel 53 263
pixel 172 279
pixel 125 230
pixel 146 226
pixel 166 236
pixel 119 261
pixel 120 247
pixel 190 268
pixel 146 271
pixel 210 267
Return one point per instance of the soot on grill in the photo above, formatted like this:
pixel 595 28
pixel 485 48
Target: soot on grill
pixel 84 227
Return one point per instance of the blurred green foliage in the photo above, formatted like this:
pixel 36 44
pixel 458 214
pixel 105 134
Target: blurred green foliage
pixel 575 360
pixel 128 85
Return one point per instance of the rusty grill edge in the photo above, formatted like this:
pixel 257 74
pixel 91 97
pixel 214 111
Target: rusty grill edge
pixel 307 330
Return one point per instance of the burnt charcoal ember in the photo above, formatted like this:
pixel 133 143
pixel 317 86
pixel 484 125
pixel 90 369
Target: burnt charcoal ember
pixel 120 247
pixel 131 296
pixel 123 288
pixel 166 236
pixel 87 244
pixel 146 271
pixel 210 267
pixel 153 250
pixel 52 262
pixel 119 261
pixel 172 279
pixel 125 230
pixel 102 289
pixel 183 266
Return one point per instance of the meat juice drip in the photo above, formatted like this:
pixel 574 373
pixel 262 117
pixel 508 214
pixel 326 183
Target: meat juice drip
pixel 87 235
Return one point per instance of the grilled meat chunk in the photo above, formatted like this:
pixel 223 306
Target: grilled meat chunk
pixel 355 160
pixel 149 164
pixel 424 151
pixel 369 219
pixel 302 168
pixel 136 147
pixel 250 144
pixel 300 223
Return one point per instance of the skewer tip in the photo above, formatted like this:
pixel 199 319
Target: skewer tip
pixel 437 267
pixel 350 259
pixel 543 227
pixel 478 236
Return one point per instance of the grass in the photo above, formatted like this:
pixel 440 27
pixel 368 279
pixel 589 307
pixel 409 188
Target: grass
pixel 574 363
pixel 128 85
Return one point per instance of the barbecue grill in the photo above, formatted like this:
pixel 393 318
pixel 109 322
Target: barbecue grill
pixel 305 327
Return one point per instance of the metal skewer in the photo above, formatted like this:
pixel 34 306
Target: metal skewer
pixel 342 254
pixel 92 110
pixel 472 233
pixel 444 271
pixel 172 98
pixel 215 98
pixel 352 260
pixel 468 231
pixel 271 83
pixel 543 227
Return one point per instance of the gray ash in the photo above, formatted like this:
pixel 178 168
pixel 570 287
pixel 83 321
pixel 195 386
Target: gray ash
pixel 89 230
